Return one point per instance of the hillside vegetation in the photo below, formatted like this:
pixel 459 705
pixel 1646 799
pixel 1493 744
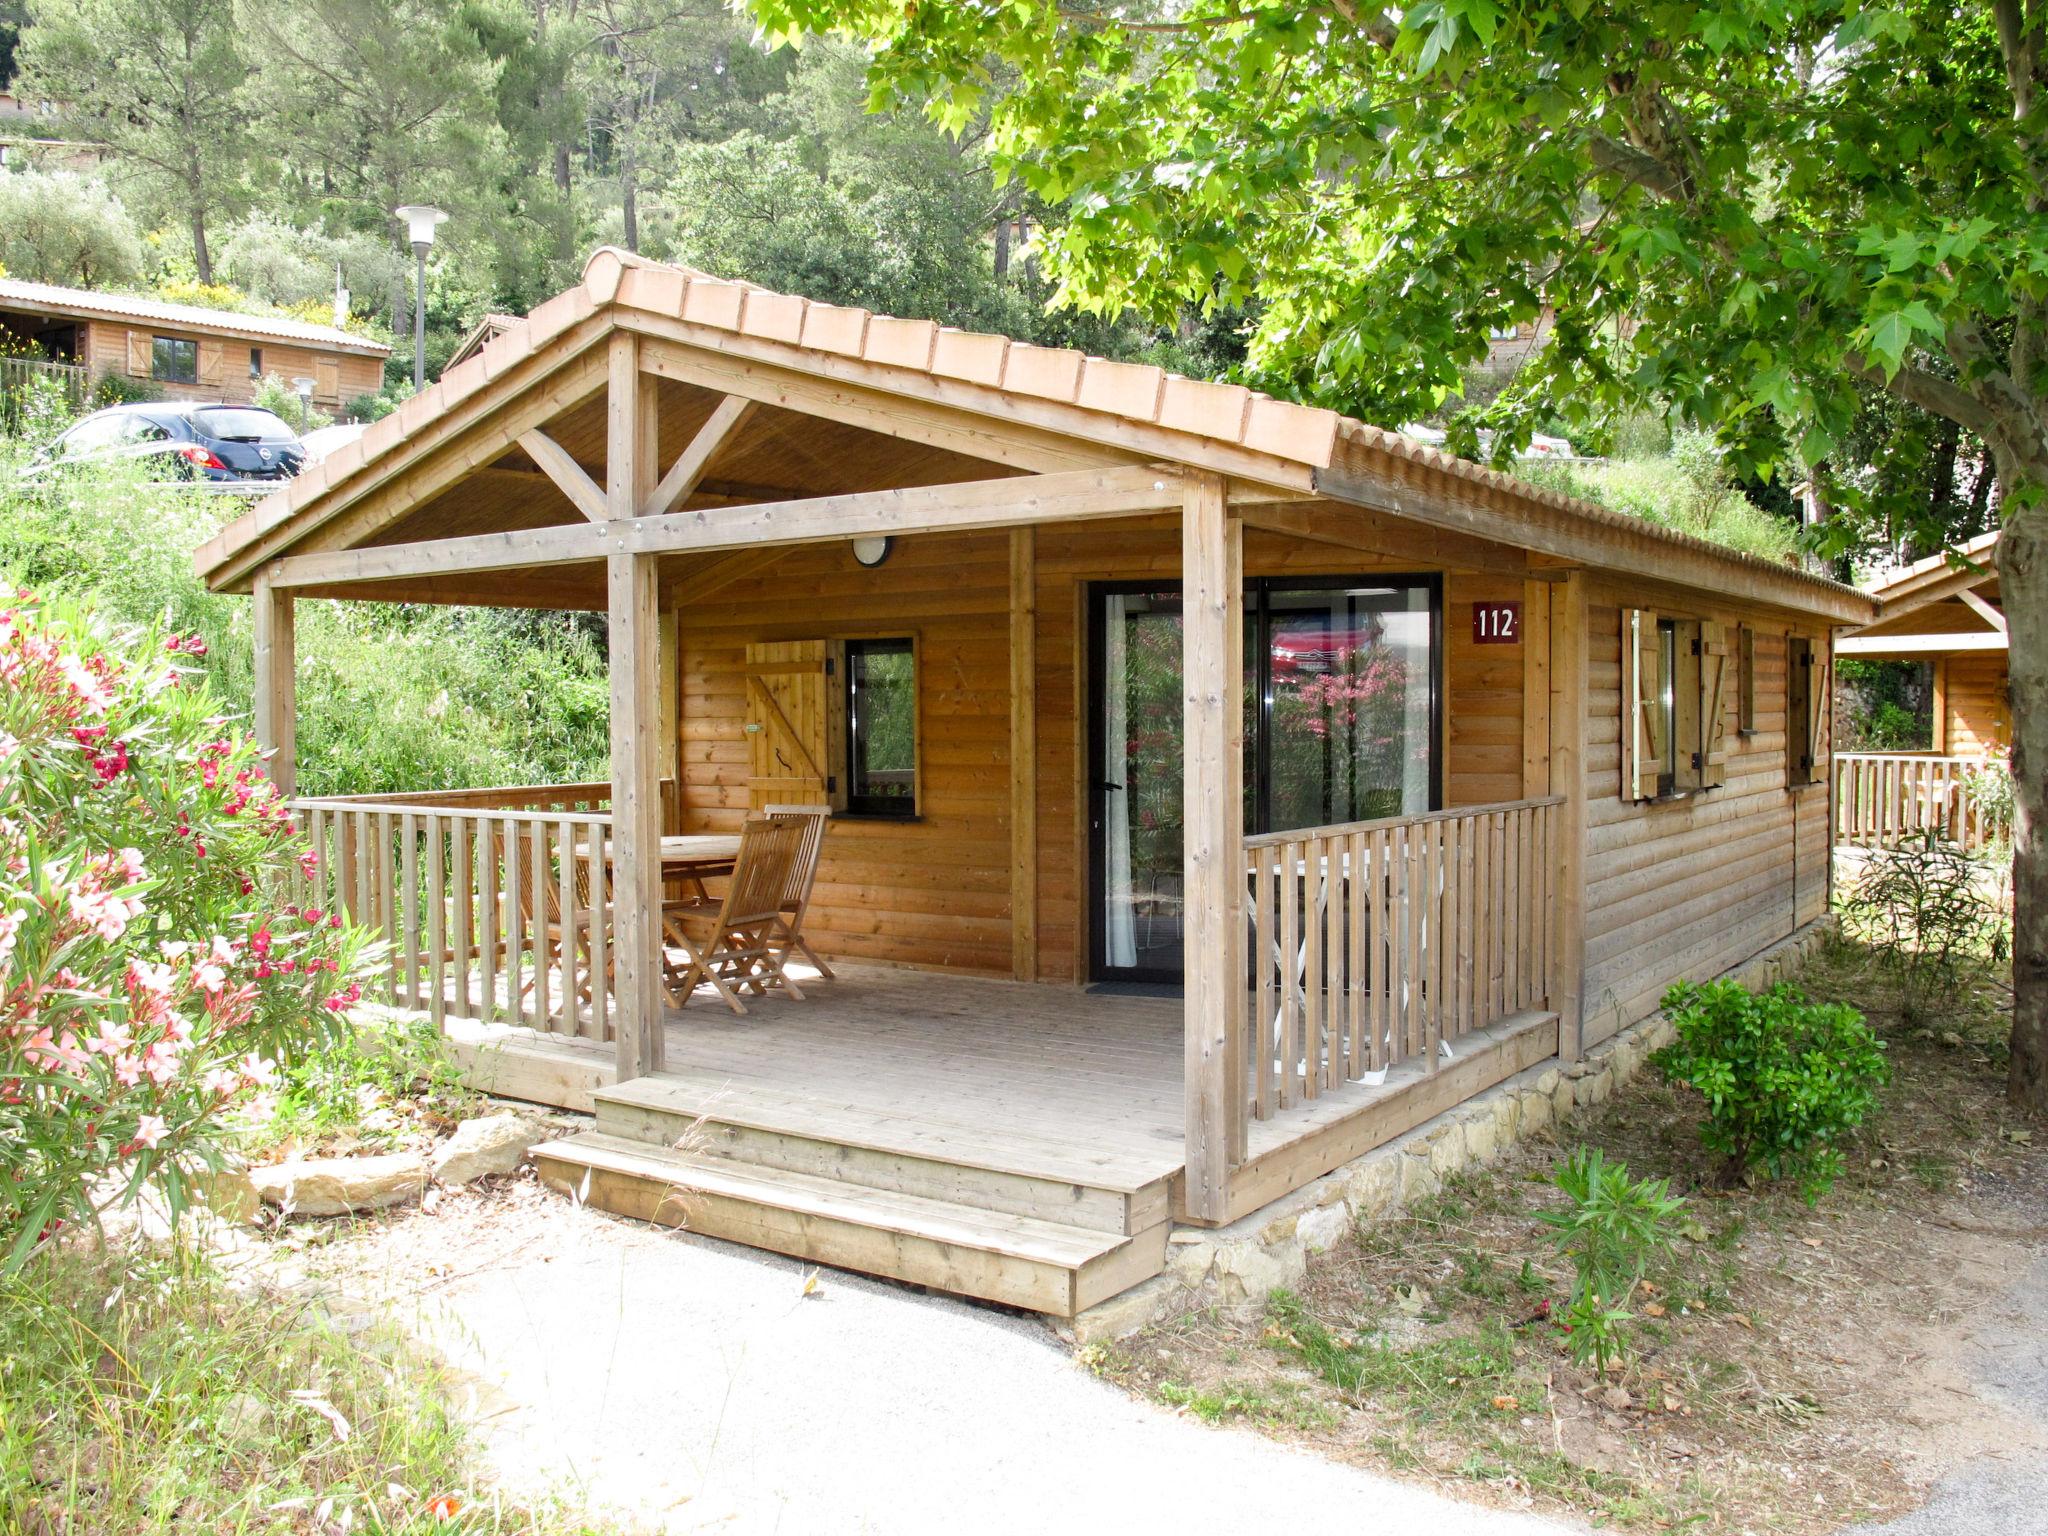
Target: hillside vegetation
pixel 390 696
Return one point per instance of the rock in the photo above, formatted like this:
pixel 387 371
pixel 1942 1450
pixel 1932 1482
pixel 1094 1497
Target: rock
pixel 1537 1113
pixel 1482 1141
pixel 1321 1230
pixel 1418 1181
pixel 485 1145
pixel 246 1418
pixel 1373 1185
pixel 1247 1273
pixel 1189 1263
pixel 1617 1398
pixel 335 1186
pixel 1124 1314
pixel 228 1192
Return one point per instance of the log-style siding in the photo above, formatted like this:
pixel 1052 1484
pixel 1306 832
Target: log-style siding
pixel 1691 886
pixel 1976 712
pixel 339 377
pixel 937 892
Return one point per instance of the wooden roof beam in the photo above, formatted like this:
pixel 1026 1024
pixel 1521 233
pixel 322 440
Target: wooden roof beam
pixel 688 470
pixel 1013 501
pixel 1975 602
pixel 1919 645
pixel 570 478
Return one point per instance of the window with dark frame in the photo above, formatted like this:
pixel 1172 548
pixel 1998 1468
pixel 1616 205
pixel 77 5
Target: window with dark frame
pixel 173 360
pixel 881 728
pixel 1745 672
pixel 255 362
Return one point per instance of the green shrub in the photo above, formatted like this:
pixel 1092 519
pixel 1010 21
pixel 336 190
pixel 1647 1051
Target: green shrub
pixel 1784 1079
pixel 148 980
pixel 1927 911
pixel 1610 1229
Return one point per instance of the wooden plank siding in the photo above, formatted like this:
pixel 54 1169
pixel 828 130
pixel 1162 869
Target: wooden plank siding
pixel 1976 710
pixel 224 364
pixel 1687 887
pixel 937 892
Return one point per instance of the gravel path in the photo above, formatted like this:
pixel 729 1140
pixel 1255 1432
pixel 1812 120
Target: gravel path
pixel 2008 1358
pixel 694 1384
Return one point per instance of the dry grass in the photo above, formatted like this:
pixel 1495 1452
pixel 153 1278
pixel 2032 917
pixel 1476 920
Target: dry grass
pixel 1796 1367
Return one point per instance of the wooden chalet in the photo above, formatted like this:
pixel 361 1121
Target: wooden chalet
pixel 1222 787
pixel 1948 615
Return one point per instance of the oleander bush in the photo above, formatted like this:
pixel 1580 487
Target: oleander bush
pixel 1785 1080
pixel 148 980
pixel 1610 1229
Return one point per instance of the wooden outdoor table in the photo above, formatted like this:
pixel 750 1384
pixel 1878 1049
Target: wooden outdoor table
pixel 694 857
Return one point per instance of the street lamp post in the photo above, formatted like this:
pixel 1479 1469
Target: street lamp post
pixel 420 220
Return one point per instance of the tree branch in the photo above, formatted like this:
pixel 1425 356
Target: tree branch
pixel 1634 166
pixel 1931 392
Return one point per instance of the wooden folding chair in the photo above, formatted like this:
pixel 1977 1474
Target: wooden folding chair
pixel 796 896
pixel 731 942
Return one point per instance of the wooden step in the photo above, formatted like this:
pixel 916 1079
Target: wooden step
pixel 957 1164
pixel 1019 1260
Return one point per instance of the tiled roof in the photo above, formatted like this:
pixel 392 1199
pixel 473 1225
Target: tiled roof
pixel 1303 436
pixel 125 306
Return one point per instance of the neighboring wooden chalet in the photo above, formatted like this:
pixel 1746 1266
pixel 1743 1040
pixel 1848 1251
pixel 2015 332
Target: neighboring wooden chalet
pixel 186 352
pixel 1221 786
pixel 1949 615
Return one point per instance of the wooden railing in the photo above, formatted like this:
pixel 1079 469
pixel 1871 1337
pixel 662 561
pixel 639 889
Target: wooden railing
pixel 1888 797
pixel 18 373
pixel 499 915
pixel 1383 942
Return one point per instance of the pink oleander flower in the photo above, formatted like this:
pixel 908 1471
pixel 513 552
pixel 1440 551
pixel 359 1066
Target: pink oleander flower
pixel 150 1130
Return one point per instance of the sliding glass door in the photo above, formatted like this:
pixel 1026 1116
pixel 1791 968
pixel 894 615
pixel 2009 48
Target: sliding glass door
pixel 1341 724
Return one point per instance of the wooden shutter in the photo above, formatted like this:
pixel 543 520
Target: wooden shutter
pixel 213 357
pixel 795 723
pixel 327 378
pixel 1714 659
pixel 1799 711
pixel 1642 705
pixel 140 354
pixel 1820 711
pixel 1745 661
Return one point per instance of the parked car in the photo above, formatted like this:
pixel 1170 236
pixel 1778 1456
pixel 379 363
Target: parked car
pixel 219 443
pixel 322 441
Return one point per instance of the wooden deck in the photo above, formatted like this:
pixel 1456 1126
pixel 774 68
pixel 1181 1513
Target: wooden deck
pixel 1012 1141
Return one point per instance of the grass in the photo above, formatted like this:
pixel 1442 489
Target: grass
pixel 143 1394
pixel 1763 1391
pixel 388 1082
pixel 390 696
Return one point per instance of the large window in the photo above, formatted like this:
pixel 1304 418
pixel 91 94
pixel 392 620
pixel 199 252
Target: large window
pixel 173 360
pixel 1341 721
pixel 881 728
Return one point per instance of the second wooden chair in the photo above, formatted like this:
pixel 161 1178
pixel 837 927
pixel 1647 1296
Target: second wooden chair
pixel 732 942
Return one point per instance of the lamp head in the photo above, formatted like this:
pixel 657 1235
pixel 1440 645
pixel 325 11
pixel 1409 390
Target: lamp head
pixel 420 221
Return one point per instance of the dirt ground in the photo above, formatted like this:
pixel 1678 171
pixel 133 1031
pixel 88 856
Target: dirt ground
pixel 1798 1368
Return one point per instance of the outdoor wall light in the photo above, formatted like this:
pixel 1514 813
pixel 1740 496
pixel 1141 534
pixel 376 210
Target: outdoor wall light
pixel 872 551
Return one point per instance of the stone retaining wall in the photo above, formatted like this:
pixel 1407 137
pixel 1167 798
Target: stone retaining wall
pixel 1238 1265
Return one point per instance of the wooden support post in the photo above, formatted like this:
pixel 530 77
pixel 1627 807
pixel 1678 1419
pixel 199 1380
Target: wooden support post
pixel 277 720
pixel 1024 754
pixel 636 814
pixel 1212 707
pixel 1568 686
pixel 637 748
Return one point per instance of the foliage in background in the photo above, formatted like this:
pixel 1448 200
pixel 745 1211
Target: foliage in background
pixel 59 227
pixel 1611 1228
pixel 279 398
pixel 390 696
pixel 1687 489
pixel 1927 911
pixel 1884 706
pixel 380 1081
pixel 148 980
pixel 147 1396
pixel 1785 1080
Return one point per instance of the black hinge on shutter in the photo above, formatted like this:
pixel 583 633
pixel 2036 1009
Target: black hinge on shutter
pixel 831 783
pixel 1697 765
pixel 828 666
pixel 1696 645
